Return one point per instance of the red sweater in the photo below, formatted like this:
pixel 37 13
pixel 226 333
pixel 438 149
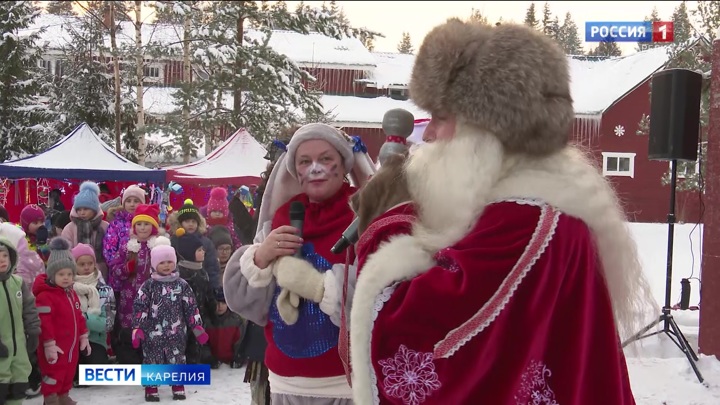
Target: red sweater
pixel 323 226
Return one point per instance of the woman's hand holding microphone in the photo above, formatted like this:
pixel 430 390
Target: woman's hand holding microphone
pixel 282 241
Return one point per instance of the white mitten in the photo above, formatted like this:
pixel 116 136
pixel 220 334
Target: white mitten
pixel 300 277
pixel 287 304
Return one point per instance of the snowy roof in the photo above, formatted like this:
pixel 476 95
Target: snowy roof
pixel 393 69
pixel 346 110
pixel 595 84
pixel 238 160
pixel 80 155
pixel 317 49
pixel 312 49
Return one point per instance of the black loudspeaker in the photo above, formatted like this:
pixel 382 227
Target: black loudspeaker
pixel 675 115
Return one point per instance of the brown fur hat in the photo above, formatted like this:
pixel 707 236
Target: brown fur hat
pixel 509 80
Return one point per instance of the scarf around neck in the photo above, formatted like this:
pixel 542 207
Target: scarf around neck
pixel 86 289
pixel 85 231
pixel 165 279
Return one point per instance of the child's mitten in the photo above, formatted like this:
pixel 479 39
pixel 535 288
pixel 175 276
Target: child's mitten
pixel 41 235
pixel 85 345
pixel 52 351
pixel 200 334
pixel 4 353
pixel 131 265
pixel 137 336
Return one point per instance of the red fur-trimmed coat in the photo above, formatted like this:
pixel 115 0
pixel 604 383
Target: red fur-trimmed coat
pixel 506 302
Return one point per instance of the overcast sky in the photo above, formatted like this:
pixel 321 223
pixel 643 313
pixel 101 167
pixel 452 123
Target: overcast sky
pixel 392 18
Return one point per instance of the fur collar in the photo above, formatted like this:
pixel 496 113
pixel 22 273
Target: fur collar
pixel 451 183
pixel 134 245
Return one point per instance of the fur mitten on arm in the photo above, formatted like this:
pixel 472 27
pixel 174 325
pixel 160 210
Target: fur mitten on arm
pixel 287 305
pixel 300 277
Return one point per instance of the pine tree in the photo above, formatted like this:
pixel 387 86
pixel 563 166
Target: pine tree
pixel 60 8
pixel 569 38
pixel 267 88
pixel 24 114
pixel 642 46
pixel 476 16
pixel 606 48
pixel 682 28
pixel 547 20
pixel 405 46
pixel 165 12
pixel 530 19
pixel 87 85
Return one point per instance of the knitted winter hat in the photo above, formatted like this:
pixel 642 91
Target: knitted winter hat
pixel 218 201
pixel 163 251
pixel 509 80
pixel 8 246
pixel 61 219
pixel 88 197
pixel 4 214
pixel 219 295
pixel 322 132
pixel 133 191
pixel 60 258
pixel 282 183
pixel 30 214
pixel 146 213
pixel 188 211
pixel 220 235
pixel 83 249
pixel 187 245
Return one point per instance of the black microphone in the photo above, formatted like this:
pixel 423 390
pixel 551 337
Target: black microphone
pixel 349 237
pixel 684 294
pixel 297 219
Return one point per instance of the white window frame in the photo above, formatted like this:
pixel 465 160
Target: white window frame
pixel 619 155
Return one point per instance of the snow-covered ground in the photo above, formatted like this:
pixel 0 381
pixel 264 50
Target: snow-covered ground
pixel 659 372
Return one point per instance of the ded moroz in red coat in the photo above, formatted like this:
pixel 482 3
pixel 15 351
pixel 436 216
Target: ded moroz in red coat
pixel 506 292
pixel 61 320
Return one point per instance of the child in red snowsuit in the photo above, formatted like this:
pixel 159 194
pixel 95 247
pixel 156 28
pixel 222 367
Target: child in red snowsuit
pixel 64 333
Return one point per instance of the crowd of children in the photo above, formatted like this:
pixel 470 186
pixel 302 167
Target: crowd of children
pixel 84 287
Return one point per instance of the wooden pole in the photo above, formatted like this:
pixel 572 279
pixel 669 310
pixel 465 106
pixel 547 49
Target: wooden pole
pixel 709 338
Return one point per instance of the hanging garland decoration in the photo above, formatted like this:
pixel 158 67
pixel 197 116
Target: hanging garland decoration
pixel 42 189
pixel 27 192
pixel 16 188
pixel 4 188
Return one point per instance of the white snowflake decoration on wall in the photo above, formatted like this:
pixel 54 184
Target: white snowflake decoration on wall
pixel 619 130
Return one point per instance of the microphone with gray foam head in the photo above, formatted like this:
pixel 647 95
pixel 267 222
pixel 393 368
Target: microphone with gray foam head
pixel 398 124
pixel 297 219
pixel 349 237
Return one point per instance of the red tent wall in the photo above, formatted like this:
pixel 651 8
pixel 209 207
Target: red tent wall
pixel 23 192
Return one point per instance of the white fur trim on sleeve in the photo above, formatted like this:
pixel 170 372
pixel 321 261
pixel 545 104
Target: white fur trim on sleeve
pixel 256 277
pixel 330 303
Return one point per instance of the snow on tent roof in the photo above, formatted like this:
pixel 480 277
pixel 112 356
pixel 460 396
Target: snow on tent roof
pixel 238 160
pixel 80 155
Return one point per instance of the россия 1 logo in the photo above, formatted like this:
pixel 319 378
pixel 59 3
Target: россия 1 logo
pixel 630 31
pixel 147 374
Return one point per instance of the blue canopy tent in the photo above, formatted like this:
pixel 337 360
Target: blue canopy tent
pixel 80 155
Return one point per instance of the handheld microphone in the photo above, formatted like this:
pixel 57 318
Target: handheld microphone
pixel 297 219
pixel 348 237
pixel 684 294
pixel 398 124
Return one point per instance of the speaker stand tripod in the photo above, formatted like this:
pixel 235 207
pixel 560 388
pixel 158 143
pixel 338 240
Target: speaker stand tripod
pixel 670 327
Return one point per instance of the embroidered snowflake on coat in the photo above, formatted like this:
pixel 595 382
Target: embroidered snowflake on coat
pixel 410 376
pixel 534 387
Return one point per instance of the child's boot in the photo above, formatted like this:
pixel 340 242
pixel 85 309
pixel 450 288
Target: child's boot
pixel 65 399
pixel 51 399
pixel 178 392
pixel 151 394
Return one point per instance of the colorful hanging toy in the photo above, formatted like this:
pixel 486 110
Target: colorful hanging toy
pixel 3 191
pixel 246 196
